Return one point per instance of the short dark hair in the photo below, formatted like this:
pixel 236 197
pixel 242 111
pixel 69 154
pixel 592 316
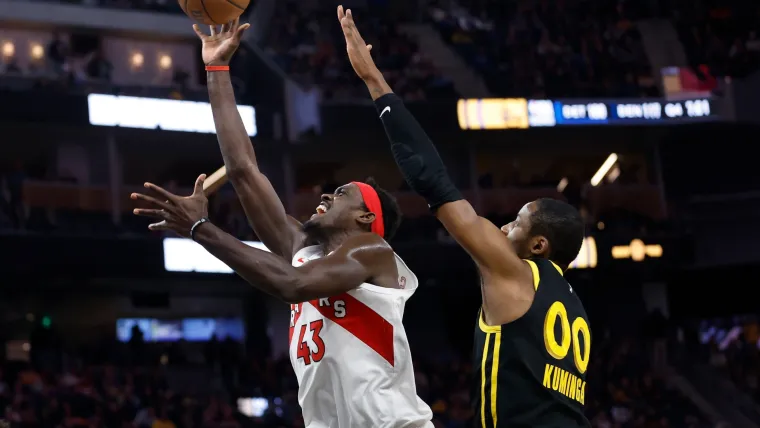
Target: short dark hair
pixel 561 224
pixel 391 210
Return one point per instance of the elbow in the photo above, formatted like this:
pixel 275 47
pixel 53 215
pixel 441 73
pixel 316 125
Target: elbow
pixel 293 297
pixel 245 172
pixel 293 291
pixel 290 298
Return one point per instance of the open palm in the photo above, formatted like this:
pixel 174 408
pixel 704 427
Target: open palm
pixel 219 46
pixel 358 50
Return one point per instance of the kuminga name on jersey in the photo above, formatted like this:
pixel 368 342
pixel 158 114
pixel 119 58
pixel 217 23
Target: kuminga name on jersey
pixel 532 372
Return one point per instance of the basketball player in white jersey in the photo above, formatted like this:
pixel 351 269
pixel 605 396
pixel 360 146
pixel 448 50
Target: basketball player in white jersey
pixel 346 286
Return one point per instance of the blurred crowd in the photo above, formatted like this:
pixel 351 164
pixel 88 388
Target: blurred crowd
pixel 538 49
pixel 62 63
pixel 625 390
pixel 225 210
pixel 550 48
pixel 308 44
pixel 77 62
pixel 138 384
pixel 724 35
pixel 733 348
pixel 115 385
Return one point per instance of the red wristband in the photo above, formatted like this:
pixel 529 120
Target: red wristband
pixel 217 68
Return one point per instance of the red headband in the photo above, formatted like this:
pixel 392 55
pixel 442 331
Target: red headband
pixel 372 201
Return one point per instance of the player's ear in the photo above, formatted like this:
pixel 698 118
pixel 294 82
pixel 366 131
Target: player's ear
pixel 366 218
pixel 539 245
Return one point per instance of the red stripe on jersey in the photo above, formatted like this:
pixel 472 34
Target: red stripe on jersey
pixel 295 313
pixel 363 322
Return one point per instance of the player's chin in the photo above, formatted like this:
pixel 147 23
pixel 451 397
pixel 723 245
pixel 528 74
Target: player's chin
pixel 313 223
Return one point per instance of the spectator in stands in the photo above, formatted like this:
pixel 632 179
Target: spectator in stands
pixel 14 184
pixel 99 67
pixel 550 49
pixel 721 35
pixel 57 54
pixel 305 43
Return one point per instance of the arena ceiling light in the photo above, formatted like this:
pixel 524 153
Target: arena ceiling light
pixel 562 184
pixel 9 49
pixel 637 251
pixel 613 174
pixel 604 169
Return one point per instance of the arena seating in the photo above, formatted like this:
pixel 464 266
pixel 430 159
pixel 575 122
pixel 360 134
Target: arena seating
pixel 52 206
pixel 579 48
pixel 118 383
pixel 723 36
pixel 308 45
pixel 627 390
pixel 737 359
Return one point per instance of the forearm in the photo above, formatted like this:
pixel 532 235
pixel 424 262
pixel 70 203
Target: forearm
pixel 415 154
pixel 236 147
pixel 261 204
pixel 265 271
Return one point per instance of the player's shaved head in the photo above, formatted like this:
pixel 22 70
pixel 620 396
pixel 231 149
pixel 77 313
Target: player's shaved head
pixel 561 224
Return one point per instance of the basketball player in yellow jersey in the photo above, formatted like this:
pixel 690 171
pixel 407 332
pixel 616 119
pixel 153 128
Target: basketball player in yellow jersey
pixel 532 338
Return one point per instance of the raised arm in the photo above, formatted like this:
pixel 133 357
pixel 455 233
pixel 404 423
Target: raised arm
pixel 423 168
pixel 266 214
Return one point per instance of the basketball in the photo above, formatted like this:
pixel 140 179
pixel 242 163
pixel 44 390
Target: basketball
pixel 213 12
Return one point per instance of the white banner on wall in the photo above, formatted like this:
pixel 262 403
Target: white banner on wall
pixel 164 114
pixel 185 255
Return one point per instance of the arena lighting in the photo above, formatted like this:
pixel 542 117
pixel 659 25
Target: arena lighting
pixel 9 49
pixel 165 62
pixel 164 114
pixel 604 169
pixel 36 51
pixel 637 251
pixel 613 174
pixel 136 60
pixel 586 256
pixel 562 184
pixel 185 255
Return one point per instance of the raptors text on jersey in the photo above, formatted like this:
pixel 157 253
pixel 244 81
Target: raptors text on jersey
pixel 352 358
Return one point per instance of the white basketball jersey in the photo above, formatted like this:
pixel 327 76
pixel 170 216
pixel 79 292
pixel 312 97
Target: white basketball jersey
pixel 352 357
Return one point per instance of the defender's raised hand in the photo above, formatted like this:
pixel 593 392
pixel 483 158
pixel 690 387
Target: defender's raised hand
pixel 177 213
pixel 358 50
pixel 219 46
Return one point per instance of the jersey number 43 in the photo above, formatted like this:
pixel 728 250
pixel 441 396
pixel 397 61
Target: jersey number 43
pixel 304 350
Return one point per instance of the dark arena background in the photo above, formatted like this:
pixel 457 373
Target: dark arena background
pixel 643 114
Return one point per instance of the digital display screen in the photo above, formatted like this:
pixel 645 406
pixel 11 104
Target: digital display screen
pixel 186 255
pixel 189 329
pixel 164 114
pixel 519 113
pixel 633 112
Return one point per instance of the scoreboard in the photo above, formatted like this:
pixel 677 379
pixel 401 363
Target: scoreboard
pixel 515 113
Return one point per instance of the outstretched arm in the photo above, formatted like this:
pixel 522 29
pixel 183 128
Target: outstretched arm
pixel 357 261
pixel 423 168
pixel 266 214
pixel 362 258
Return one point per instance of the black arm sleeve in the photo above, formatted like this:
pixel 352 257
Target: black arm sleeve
pixel 415 154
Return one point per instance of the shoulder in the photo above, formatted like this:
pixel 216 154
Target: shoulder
pixel 370 253
pixel 367 247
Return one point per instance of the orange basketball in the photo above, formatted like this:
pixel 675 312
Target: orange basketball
pixel 213 11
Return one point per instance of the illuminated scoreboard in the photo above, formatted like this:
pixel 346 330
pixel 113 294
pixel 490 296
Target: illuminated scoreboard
pixel 519 113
